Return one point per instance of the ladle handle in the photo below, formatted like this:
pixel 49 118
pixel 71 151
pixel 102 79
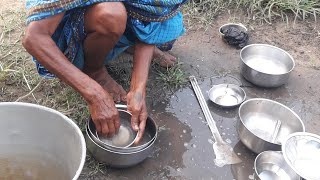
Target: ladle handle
pixel 276 131
pixel 121 106
pixel 206 111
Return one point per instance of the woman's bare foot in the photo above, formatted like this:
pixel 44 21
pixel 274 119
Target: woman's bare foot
pixel 109 84
pixel 162 58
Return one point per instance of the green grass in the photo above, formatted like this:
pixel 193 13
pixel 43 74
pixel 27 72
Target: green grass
pixel 204 11
pixel 172 78
pixel 269 9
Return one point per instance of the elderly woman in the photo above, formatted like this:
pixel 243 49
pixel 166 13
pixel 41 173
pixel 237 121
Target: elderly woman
pixel 74 39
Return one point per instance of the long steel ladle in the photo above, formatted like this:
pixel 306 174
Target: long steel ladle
pixel 223 151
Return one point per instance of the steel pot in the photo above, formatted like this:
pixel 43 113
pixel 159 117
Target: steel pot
pixel 117 159
pixel 264 124
pixel 265 65
pixel 37 142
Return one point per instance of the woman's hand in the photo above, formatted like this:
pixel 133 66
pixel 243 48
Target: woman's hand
pixel 136 98
pixel 137 107
pixel 104 114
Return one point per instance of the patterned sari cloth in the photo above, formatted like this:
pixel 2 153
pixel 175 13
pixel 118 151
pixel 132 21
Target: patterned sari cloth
pixel 156 22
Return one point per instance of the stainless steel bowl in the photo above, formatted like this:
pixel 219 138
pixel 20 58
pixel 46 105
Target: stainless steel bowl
pixel 125 137
pixel 264 124
pixel 227 95
pixel 265 65
pixel 120 159
pixel 235 25
pixel 272 165
pixel 149 136
pixel 302 152
pixel 37 142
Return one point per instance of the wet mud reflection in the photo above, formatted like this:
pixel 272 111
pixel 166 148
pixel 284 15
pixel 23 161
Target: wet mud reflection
pixel 184 146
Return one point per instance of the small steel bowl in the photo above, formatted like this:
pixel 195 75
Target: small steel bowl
pixel 125 132
pixel 264 124
pixel 235 25
pixel 149 135
pixel 272 165
pixel 301 151
pixel 265 65
pixel 227 95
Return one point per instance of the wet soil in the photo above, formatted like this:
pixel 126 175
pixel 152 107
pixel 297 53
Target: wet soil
pixel 183 149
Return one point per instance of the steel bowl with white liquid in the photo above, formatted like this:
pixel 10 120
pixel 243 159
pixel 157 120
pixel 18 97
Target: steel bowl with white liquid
pixel 122 157
pixel 149 135
pixel 265 65
pixel 39 143
pixel 227 95
pixel 265 123
pixel 125 137
pixel 301 151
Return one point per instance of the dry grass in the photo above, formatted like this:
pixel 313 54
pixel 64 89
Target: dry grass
pixel 18 78
pixel 20 81
pixel 267 10
pixel 204 11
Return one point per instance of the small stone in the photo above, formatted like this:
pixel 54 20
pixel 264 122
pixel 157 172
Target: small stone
pixel 184 131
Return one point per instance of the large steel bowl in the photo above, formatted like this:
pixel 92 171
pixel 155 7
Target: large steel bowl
pixel 264 124
pixel 302 152
pixel 39 143
pixel 117 159
pixel 272 165
pixel 265 65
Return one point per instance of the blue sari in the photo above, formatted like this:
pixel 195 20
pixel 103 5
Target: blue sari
pixel 156 22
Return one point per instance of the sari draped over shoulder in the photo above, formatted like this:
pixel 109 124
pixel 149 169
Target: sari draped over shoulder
pixel 158 22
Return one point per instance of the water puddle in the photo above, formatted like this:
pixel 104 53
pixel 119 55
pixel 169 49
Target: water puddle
pixel 184 149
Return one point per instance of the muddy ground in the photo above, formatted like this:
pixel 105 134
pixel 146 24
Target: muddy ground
pixel 183 149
